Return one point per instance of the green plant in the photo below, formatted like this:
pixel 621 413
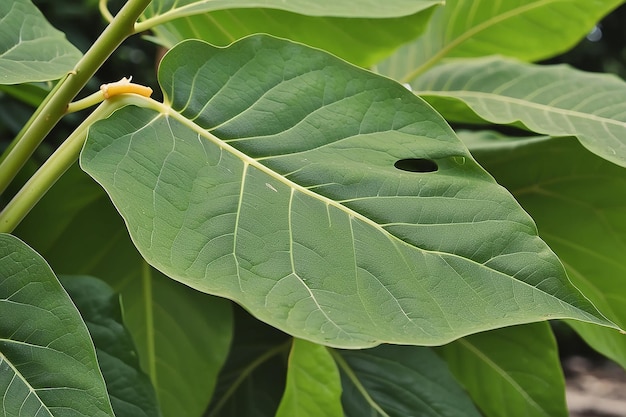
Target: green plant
pixel 381 269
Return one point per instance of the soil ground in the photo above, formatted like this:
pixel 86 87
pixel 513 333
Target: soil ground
pixel 594 389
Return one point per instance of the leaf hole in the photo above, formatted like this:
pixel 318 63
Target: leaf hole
pixel 416 165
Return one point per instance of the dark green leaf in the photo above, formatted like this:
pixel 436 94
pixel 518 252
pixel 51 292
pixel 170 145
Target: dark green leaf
pixel 400 381
pixel 131 392
pixel 48 364
pixel 252 381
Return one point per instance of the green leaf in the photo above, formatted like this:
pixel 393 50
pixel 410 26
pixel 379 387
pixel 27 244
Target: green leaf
pixel 30 48
pixel 273 183
pixel 399 381
pixel 131 392
pixel 48 365
pixel 529 30
pixel 182 356
pixel 356 8
pixel 313 384
pixel 510 371
pixel 362 35
pixel 555 100
pixel 578 201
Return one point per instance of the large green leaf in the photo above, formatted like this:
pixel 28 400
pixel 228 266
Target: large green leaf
pixel 578 201
pixel 529 30
pixel 555 100
pixel 362 31
pixel 48 364
pixel 513 371
pixel 270 178
pixel 356 8
pixel 182 336
pixel 313 385
pixel 399 381
pixel 131 392
pixel 362 41
pixel 30 48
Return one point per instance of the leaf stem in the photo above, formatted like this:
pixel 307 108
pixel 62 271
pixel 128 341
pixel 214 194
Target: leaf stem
pixel 55 105
pixel 54 167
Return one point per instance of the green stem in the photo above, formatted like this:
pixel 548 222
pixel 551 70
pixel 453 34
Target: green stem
pixel 52 169
pixel 55 105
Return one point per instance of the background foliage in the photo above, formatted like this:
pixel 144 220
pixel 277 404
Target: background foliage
pixel 184 351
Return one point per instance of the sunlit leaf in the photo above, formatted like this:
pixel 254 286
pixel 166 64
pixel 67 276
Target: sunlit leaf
pixel 510 371
pixel 30 48
pixel 399 381
pixel 273 182
pixel 555 100
pixel 529 30
pixel 182 336
pixel 361 32
pixel 48 364
pixel 578 201
pixel 313 385
pixel 131 392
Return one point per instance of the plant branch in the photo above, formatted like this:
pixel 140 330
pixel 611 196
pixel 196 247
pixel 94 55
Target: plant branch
pixel 56 165
pixel 55 105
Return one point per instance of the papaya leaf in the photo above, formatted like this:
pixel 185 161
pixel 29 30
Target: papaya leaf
pixel 578 201
pixel 330 202
pixel 398 381
pixel 30 48
pixel 131 392
pixel 48 364
pixel 510 371
pixel 556 100
pixel 476 28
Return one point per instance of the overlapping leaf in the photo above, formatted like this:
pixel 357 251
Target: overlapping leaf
pixel 510 371
pixel 554 100
pixel 356 8
pixel 30 48
pixel 131 392
pixel 272 180
pixel 48 365
pixel 362 32
pixel 182 336
pixel 578 201
pixel 397 381
pixel 474 28
pixel 313 385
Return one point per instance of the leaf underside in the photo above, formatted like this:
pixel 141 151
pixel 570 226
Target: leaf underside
pixel 269 177
pixel 30 48
pixel 556 100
